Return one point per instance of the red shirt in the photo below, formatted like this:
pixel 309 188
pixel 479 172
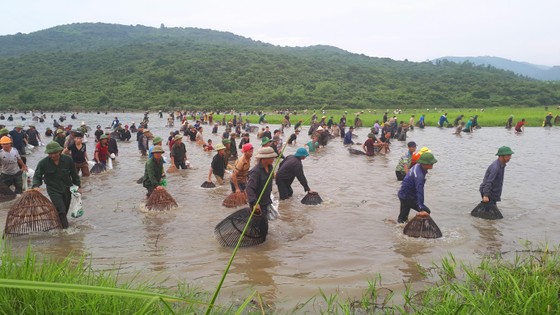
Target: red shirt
pixel 519 124
pixel 103 152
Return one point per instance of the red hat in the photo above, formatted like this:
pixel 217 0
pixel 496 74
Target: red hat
pixel 247 147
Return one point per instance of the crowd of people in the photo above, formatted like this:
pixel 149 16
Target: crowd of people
pixel 67 155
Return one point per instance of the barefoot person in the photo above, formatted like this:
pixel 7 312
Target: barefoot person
pixel 59 173
pixel 11 165
pixel 153 171
pixel 258 181
pixel 291 168
pixel 491 187
pixel 411 194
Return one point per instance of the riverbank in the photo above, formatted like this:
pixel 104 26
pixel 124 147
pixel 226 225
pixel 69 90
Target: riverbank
pixel 489 117
pixel 524 282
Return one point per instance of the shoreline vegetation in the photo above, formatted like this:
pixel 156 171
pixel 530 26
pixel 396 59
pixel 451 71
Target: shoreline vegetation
pixel 527 283
pixel 487 117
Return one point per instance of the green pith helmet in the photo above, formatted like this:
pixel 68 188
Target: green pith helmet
pixel 265 140
pixel 157 140
pixel 4 132
pixel 427 158
pixel 504 151
pixel 53 147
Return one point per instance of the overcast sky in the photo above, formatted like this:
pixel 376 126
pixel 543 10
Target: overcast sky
pixel 417 30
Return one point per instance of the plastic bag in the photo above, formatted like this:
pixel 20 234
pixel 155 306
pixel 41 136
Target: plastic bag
pixel 163 182
pixel 24 176
pixel 76 208
pixel 109 164
pixel 113 156
pixel 273 213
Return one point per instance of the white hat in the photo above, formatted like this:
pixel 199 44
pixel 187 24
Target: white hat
pixel 266 153
pixel 320 128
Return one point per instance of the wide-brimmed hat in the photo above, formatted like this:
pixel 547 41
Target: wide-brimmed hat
pixel 504 151
pixel 226 141
pixel 146 130
pixel 157 149
pixel 19 126
pixel 265 140
pixel 157 140
pixel 59 131
pixel 103 136
pixel 220 146
pixel 266 153
pixel 427 158
pixel 301 152
pixel 177 137
pixel 247 147
pixel 31 126
pixel 53 147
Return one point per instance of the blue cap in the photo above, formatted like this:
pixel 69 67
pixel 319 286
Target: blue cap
pixel 301 152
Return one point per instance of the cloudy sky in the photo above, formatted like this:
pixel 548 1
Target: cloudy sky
pixel 416 30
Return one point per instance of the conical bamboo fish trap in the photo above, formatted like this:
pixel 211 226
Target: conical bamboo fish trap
pixel 422 225
pixel 487 211
pixel 208 185
pixel 33 212
pixel 160 200
pixel 235 199
pixel 6 194
pixel 98 168
pixel 356 151
pixel 229 230
pixel 312 198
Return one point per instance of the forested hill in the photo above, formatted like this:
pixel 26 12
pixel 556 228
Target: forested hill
pixel 105 66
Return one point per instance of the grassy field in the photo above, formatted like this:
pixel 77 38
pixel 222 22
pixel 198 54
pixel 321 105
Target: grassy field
pixel 490 117
pixel 527 283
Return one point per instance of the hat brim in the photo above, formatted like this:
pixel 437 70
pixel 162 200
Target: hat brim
pixel 266 156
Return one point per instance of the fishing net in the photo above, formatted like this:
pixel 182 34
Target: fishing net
pixel 172 169
pixel 229 230
pixel 6 194
pixel 33 212
pixel 356 151
pixel 422 225
pixel 312 198
pixel 208 185
pixel 160 200
pixel 98 168
pixel 235 199
pixel 486 210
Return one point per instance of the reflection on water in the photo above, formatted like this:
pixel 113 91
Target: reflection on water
pixel 410 249
pixel 337 245
pixel 489 236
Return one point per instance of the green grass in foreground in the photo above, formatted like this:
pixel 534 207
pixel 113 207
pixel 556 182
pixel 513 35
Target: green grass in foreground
pixel 527 284
pixel 490 117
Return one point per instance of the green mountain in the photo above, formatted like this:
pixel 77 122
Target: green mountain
pixel 106 66
pixel 530 70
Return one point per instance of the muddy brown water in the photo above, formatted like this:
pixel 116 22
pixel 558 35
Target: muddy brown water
pixel 336 246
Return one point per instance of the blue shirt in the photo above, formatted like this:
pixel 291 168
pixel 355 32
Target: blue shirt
pixel 348 137
pixel 412 187
pixel 493 181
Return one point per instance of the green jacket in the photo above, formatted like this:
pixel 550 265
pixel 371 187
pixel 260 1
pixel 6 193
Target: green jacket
pixel 58 178
pixel 153 173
